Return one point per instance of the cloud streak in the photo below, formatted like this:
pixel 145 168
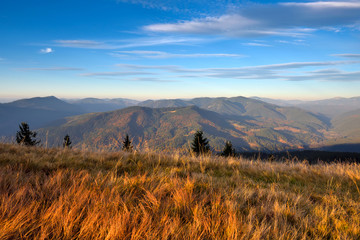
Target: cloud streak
pixel 161 55
pixel 128 43
pixel 284 72
pixel 140 76
pixel 282 19
pixel 252 44
pixel 115 74
pixel 347 55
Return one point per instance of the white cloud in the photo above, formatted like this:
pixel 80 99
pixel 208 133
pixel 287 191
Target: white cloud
pixel 283 19
pixel 46 50
pixel 284 71
pixel 328 4
pixel 147 79
pixel 112 74
pixel 252 44
pixel 160 54
pixel 82 44
pixel 128 43
pixel 186 6
pixel 347 55
pixel 294 42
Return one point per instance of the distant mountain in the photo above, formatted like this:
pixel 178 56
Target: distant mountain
pixel 241 106
pixel 50 103
pixel 237 106
pixel 90 105
pixel 251 124
pixel 279 102
pixel 37 112
pixel 170 128
pixel 164 103
pixel 329 107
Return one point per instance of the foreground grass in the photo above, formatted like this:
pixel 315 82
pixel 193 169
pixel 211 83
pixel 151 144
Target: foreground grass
pixel 57 194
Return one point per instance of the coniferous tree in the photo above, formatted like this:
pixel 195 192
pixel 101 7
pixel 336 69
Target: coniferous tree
pixel 127 146
pixel 200 144
pixel 67 142
pixel 26 137
pixel 228 150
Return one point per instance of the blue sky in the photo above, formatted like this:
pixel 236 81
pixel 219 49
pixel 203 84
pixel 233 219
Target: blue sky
pixel 179 49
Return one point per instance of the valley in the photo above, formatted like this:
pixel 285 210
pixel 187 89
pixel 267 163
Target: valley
pixel 250 124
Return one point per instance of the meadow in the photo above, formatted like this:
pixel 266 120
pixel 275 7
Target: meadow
pixel 71 194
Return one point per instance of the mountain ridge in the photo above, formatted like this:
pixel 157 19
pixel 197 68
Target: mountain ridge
pixel 161 128
pixel 250 124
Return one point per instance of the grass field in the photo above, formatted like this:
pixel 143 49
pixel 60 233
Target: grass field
pixel 69 194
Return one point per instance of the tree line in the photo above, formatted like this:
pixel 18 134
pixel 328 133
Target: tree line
pixel 27 137
pixel 199 145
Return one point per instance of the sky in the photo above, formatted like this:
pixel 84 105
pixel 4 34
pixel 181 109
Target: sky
pixel 161 49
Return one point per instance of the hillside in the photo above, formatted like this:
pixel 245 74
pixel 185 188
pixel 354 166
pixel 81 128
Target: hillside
pixel 66 194
pixel 331 108
pixel 154 128
pixel 38 112
pixel 348 125
pixel 251 124
pixel 173 128
pixel 345 133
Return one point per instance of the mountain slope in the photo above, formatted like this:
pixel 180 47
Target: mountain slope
pixel 37 112
pixel 50 103
pixel 169 128
pixel 155 128
pixel 331 108
pixel 235 106
pixel 348 125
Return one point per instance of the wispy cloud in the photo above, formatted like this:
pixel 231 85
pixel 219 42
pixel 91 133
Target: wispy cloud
pixel 282 19
pixel 284 71
pixel 347 55
pixel 326 75
pixel 150 4
pixel 254 44
pixel 46 50
pixel 82 44
pixel 148 79
pixel 325 4
pixel 115 74
pixel 160 54
pixel 140 76
pixel 168 68
pixel 52 69
pixel 186 6
pixel 127 43
pixel 294 42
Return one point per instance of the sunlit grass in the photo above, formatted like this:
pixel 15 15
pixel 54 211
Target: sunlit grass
pixel 67 194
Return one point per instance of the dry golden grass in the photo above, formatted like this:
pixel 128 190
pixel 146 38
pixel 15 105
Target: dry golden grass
pixel 68 194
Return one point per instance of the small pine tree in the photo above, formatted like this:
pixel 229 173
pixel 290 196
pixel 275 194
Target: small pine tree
pixel 26 137
pixel 127 146
pixel 67 142
pixel 200 144
pixel 228 150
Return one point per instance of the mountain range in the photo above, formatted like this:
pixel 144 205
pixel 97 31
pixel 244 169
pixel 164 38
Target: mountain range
pixel 329 107
pixel 250 124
